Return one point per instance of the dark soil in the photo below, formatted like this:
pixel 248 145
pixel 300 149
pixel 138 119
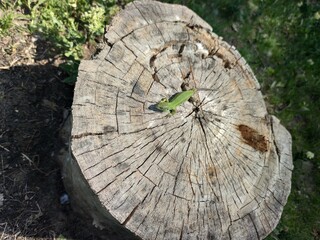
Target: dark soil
pixel 34 103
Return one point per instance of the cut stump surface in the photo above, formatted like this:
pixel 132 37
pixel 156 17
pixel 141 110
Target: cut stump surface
pixel 220 168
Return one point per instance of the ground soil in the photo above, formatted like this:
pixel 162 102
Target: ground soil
pixel 34 103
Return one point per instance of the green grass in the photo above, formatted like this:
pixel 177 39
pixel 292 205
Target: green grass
pixel 6 22
pixel 279 39
pixel 70 25
pixel 8 15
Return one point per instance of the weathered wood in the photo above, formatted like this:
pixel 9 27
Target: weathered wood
pixel 220 168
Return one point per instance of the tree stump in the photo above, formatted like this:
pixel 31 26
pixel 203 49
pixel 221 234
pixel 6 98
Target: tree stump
pixel 220 168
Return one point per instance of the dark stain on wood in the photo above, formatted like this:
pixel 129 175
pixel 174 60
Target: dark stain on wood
pixel 116 53
pixel 155 77
pixel 158 148
pixel 211 172
pixel 152 60
pixel 181 49
pixel 253 138
pixel 109 128
pixel 137 89
pixel 226 63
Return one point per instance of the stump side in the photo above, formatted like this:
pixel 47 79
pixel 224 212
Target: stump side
pixel 220 168
pixel 84 200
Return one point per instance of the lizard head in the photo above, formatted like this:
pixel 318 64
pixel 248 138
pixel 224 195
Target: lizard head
pixel 163 104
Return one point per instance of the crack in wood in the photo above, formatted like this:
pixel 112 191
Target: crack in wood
pixel 211 159
pixel 271 192
pixel 82 135
pixel 116 111
pixel 274 141
pixel 130 215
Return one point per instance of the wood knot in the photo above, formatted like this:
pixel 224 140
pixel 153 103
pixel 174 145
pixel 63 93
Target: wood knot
pixel 253 138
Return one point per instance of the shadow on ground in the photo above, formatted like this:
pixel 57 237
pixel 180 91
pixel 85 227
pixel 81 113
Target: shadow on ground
pixel 33 102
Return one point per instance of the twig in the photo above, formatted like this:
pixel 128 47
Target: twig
pixel 26 157
pixel 5 67
pixel 31 163
pixel 4 148
pixel 2 172
pixel 4 230
pixel 14 61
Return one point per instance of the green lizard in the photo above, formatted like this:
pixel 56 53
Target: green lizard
pixel 170 105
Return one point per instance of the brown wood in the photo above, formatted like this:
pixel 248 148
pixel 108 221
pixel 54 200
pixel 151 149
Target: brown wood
pixel 220 168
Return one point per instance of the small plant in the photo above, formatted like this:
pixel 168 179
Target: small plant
pixel 70 25
pixel 6 23
pixel 70 67
pixel 8 15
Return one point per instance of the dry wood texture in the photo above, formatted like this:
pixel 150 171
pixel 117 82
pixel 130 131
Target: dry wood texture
pixel 220 168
